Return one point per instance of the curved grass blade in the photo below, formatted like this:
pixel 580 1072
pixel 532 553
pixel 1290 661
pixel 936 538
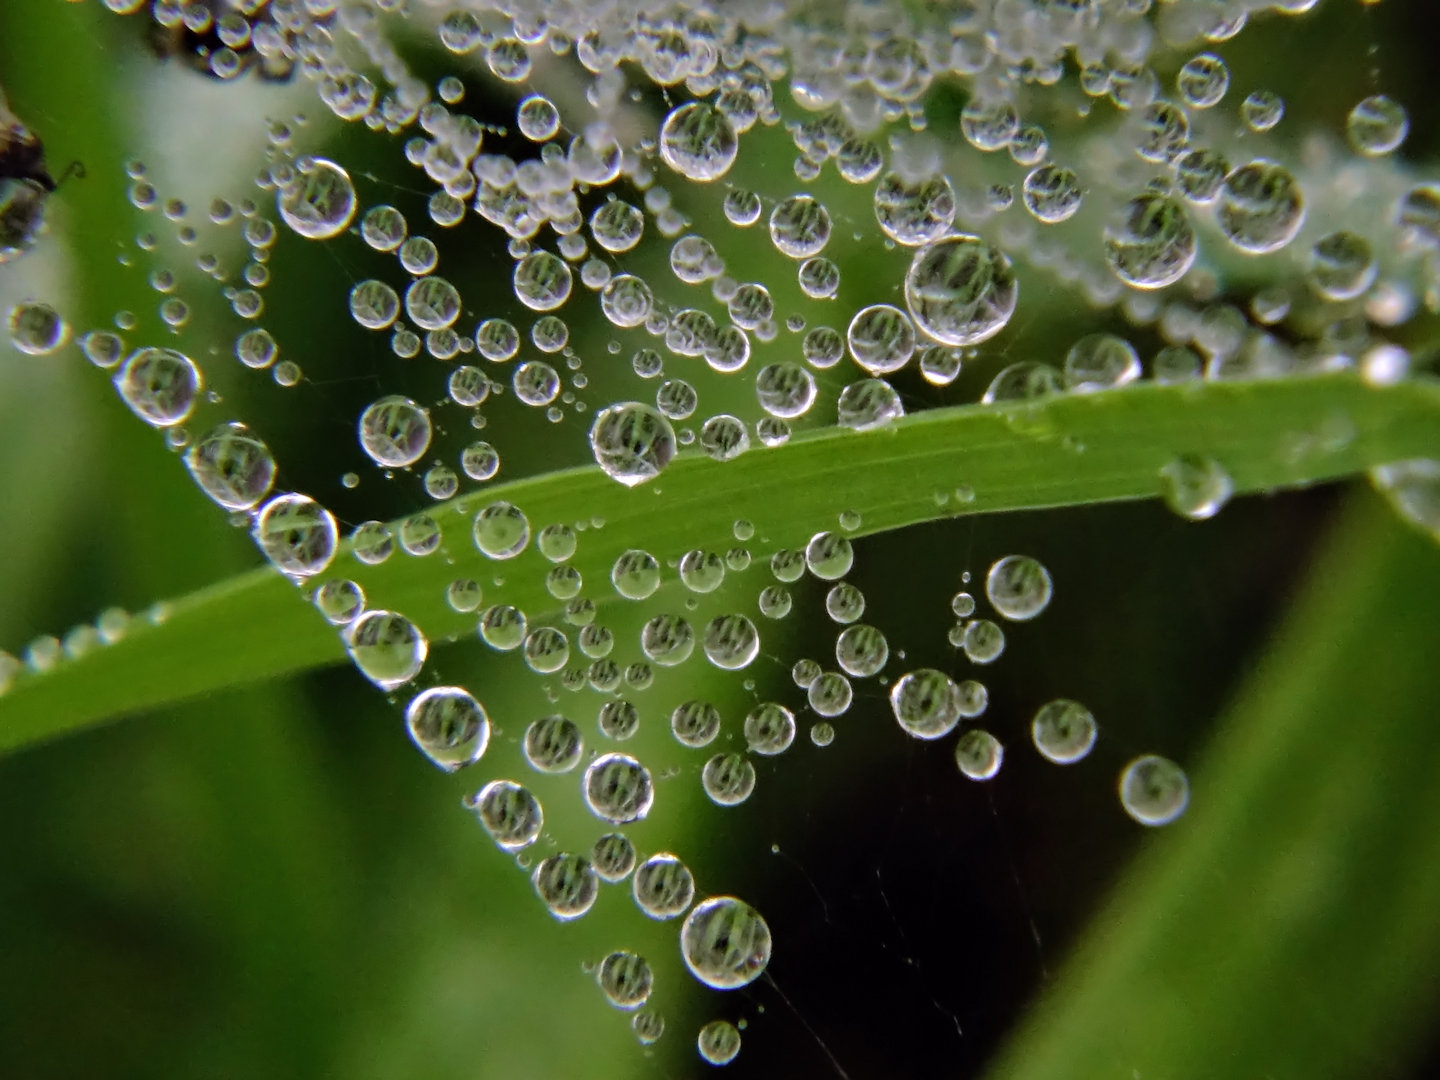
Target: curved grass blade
pixel 1070 450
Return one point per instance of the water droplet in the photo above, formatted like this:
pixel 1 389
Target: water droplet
pixel 1025 380
pixel 1261 207
pixel 648 1027
pixel 635 575
pixel 663 886
pixel 695 723
pixel 698 141
pixel 566 884
pixel 1051 193
pixel 730 642
pixel 1154 790
pixel 373 304
pixel 296 534
pixel 984 641
pixel 867 404
pixel 232 466
pixel 613 857
pixel 830 694
pixel 861 650
pixel 509 812
pixel 1064 731
pixel 627 301
pixel 632 442
pixel 769 729
pixel 725 942
pixel 553 744
pixel 1262 110
pixel 960 290
pixel 724 437
pixel 1150 243
pixel 617 226
pixel 844 603
pixel 448 725
pixel 1377 126
pixel 394 432
pixel 625 978
pixel 728 779
pixel 37 329
pixel 881 339
pixel 387 648
pixel 618 789
pixel 1019 587
pixel 800 227
pixel 978 754
pixel 1101 362
pixel 914 212
pixel 159 385
pixel 320 200
pixel 1195 487
pixel 1203 80
pixel 503 627
pixel 537 118
pixel 542 281
pixel 463 595
pixel 718 1042
pixel 383 228
pixel 1342 266
pixel 501 530
pixel 926 703
pixel 829 556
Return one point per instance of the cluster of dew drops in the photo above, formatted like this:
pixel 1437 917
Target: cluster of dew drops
pixel 1123 216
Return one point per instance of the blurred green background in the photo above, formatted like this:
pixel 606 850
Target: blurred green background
pixel 272 882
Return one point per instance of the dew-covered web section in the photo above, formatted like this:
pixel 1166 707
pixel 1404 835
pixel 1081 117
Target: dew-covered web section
pixel 840 808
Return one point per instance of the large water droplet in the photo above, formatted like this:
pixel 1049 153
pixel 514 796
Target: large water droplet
pixel 725 942
pixel 1150 242
pixel 1195 487
pixel 632 442
pixel 449 726
pixel 663 886
pixel 1154 790
pixel 960 290
pixel 567 884
pixel 625 978
pixel 232 466
pixel 159 385
pixel 296 534
pixel 320 200
pixel 926 703
pixel 1018 586
pixel 387 648
pixel 510 813
pixel 394 432
pixel 618 789
pixel 698 141
pixel 1064 731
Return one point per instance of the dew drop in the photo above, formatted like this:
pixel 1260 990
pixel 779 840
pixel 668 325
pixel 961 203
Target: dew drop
pixel 725 943
pixel 387 648
pixel 1154 790
pixel 448 725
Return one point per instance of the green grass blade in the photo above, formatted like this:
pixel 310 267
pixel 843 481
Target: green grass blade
pixel 1287 928
pixel 1071 450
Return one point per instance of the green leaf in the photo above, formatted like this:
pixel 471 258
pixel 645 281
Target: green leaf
pixel 1070 450
pixel 1287 927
